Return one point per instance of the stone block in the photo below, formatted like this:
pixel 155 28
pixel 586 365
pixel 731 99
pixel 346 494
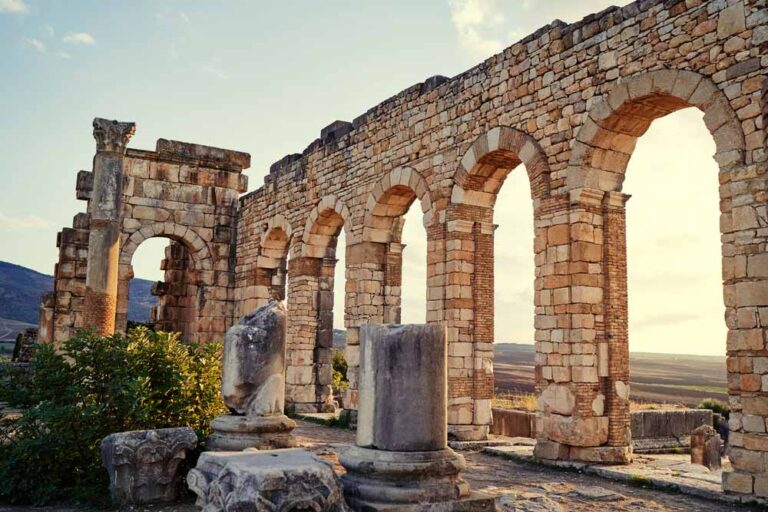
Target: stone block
pixel 575 431
pixel 143 465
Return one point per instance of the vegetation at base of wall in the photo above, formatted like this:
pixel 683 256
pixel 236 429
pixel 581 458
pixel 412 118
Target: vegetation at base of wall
pixel 716 406
pixel 92 387
pixel 339 381
pixel 518 401
pixel 17 347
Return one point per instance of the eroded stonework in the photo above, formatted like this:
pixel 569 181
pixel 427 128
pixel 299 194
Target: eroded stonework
pixel 143 465
pixel 569 102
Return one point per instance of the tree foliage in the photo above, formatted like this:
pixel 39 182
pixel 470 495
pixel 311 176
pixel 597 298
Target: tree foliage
pixel 92 387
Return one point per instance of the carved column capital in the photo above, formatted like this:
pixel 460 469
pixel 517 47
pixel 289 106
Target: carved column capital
pixel 112 136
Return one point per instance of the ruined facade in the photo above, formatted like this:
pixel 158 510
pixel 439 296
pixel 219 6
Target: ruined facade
pixel 568 102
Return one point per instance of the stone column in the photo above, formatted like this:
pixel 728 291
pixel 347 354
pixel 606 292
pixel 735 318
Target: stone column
pixel 105 212
pixel 402 456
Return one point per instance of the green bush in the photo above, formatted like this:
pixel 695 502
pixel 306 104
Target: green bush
pixel 339 381
pixel 716 406
pixel 92 387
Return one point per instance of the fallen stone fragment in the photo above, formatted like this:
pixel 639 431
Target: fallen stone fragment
pixel 143 465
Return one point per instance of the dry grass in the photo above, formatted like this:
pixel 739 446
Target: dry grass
pixel 527 402
pixel 519 401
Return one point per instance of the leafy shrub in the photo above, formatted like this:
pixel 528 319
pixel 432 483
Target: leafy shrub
pixel 92 387
pixel 339 381
pixel 716 406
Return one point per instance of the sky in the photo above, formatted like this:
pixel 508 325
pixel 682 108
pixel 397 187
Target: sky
pixel 265 77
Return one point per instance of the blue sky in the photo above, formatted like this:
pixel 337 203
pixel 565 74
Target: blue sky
pixel 265 77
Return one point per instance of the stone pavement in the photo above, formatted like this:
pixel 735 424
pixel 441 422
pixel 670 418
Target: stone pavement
pixel 526 487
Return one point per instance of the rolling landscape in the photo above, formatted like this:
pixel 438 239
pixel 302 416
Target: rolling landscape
pixel 21 289
pixel 655 378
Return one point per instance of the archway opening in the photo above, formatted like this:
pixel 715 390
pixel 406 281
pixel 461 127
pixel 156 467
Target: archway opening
pixel 513 300
pixel 174 302
pixel 413 285
pixel 148 272
pixel 674 266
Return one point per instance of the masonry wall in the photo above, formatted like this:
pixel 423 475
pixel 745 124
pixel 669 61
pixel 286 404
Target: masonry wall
pixel 568 102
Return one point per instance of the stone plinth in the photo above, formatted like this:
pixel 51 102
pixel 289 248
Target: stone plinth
pixel 233 433
pixel 288 480
pixel 253 384
pixel 402 460
pixel 143 464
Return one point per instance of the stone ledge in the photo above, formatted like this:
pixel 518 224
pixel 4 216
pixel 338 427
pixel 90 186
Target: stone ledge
pixel 706 489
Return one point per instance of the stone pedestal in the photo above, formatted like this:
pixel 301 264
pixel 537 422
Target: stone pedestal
pixel 402 460
pixel 274 480
pixel 143 464
pixel 253 384
pixel 235 433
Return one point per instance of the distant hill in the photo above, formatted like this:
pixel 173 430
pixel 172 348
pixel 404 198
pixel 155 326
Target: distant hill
pixel 21 289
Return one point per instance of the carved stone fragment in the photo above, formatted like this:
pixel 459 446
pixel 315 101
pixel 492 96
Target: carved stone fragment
pixel 265 481
pixel 143 464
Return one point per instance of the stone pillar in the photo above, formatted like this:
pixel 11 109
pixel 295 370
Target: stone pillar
pixel 310 334
pixel 366 270
pixel 402 457
pixel 581 358
pixel 253 384
pixel 613 348
pixel 744 230
pixel 105 214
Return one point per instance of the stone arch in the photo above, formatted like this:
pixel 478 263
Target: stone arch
pixel 188 270
pixel 176 232
pixel 491 157
pixel 324 223
pixel 599 157
pixel 390 199
pixel 607 138
pixel 276 238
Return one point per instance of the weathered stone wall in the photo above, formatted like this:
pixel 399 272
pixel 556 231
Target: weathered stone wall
pixel 569 102
pixel 186 193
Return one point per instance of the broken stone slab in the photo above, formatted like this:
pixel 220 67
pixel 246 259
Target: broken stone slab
pixel 252 375
pixel 143 465
pixel 706 447
pixel 253 384
pixel 272 480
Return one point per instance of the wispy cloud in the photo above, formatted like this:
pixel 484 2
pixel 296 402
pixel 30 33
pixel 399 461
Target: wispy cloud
pixel 11 223
pixel 473 20
pixel 78 38
pixel 14 6
pixel 213 70
pixel 48 30
pixel 37 44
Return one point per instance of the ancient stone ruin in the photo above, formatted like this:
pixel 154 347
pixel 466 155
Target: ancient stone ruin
pixel 253 384
pixel 569 103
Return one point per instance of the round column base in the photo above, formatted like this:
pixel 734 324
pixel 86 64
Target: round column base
pixel 378 480
pixel 236 433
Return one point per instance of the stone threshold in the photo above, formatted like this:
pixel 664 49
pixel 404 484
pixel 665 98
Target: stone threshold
pixel 634 474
